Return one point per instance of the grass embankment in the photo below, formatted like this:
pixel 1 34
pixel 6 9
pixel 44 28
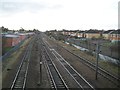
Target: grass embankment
pixel 8 63
pixel 6 49
pixel 112 68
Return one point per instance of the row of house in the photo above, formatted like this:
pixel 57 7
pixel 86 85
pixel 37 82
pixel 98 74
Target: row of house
pixel 12 39
pixel 113 35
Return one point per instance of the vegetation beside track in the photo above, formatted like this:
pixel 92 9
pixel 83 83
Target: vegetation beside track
pixel 110 67
pixel 9 62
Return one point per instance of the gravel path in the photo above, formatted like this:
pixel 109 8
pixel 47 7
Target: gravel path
pixel 34 70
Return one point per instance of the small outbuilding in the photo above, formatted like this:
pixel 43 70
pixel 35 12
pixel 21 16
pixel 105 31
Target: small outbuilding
pixel 10 40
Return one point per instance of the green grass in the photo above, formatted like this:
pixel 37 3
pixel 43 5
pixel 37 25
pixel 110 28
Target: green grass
pixel 109 44
pixel 103 64
pixel 106 44
pixel 6 49
pixel 114 69
pixel 16 54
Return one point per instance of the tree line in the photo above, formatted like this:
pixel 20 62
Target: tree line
pixel 21 30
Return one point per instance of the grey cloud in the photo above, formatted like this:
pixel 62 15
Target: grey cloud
pixel 16 7
pixel 13 7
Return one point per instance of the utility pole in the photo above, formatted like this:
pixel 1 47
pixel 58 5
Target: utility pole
pixel 88 42
pixel 97 57
pixel 57 41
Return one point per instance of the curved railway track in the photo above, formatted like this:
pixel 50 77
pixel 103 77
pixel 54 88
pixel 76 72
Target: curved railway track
pixel 115 80
pixel 77 77
pixel 112 78
pixel 73 72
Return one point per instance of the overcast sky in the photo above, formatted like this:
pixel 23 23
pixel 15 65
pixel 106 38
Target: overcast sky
pixel 59 14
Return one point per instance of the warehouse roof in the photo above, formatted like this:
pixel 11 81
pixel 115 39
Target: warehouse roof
pixel 21 33
pixel 11 35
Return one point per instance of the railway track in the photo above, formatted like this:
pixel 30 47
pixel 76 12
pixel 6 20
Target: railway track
pixel 19 81
pixel 73 72
pixel 112 78
pixel 115 80
pixel 83 84
pixel 55 77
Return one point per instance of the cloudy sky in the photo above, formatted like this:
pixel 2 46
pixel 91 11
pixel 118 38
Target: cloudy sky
pixel 59 14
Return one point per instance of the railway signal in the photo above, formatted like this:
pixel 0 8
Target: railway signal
pixel 40 72
pixel 40 68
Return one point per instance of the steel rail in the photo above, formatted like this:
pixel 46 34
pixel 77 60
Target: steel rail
pixel 101 71
pixel 53 85
pixel 63 60
pixel 75 74
pixel 67 70
pixel 57 84
pixel 22 70
pixel 73 69
pixel 51 79
pixel 18 71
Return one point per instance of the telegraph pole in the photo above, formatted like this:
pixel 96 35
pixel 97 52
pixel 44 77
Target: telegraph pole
pixel 97 57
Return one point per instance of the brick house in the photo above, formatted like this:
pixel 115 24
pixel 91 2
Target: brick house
pixel 115 35
pixel 10 40
pixel 81 34
pixel 93 33
pixel 107 34
pixel 22 36
pixel 66 32
pixel 70 33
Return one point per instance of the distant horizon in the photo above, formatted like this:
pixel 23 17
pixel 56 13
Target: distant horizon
pixel 59 29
